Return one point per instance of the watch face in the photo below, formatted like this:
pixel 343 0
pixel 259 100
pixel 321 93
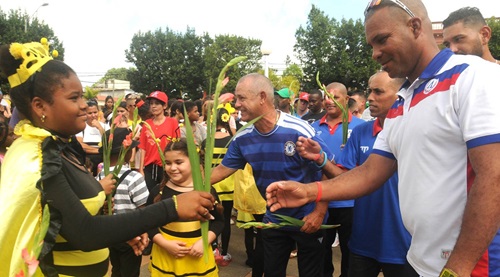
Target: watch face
pixel 448 273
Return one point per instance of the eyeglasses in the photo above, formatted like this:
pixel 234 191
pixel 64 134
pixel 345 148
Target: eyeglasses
pixel 400 4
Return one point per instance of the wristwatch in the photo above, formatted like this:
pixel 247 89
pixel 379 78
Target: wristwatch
pixel 448 273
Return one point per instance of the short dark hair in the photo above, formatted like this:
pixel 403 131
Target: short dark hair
pixel 316 91
pixel 467 15
pixel 351 103
pixel 357 92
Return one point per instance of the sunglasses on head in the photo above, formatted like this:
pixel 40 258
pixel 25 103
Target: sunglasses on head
pixel 400 4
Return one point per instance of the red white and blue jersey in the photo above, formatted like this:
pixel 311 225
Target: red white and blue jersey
pixel 333 137
pixel 273 157
pixel 451 108
pixel 377 228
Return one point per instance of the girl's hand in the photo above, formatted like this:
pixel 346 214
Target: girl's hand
pixel 177 248
pixel 197 249
pixel 139 243
pixel 108 183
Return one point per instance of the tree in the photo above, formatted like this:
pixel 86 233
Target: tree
pixel 223 49
pixel 353 64
pixel 115 73
pixel 185 63
pixel 494 43
pixel 293 70
pixel 314 45
pixel 337 50
pixel 12 30
pixel 166 61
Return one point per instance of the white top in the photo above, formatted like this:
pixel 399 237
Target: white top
pixel 91 135
pixel 450 108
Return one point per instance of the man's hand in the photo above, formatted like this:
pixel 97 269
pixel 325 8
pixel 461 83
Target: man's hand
pixel 308 148
pixel 313 221
pixel 195 205
pixel 287 194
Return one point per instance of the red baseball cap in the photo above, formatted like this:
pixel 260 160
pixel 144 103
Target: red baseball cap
pixel 304 96
pixel 159 95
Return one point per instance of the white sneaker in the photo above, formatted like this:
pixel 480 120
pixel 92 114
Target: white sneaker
pixel 336 242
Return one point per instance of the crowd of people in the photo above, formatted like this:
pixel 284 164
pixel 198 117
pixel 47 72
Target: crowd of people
pixel 407 170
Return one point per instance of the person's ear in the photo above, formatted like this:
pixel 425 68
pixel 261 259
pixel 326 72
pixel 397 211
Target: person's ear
pixel 416 26
pixel 485 34
pixel 38 106
pixel 263 97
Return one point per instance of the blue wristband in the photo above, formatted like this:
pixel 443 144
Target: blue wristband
pixel 324 160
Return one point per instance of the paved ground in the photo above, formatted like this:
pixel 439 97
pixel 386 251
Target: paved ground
pixel 237 267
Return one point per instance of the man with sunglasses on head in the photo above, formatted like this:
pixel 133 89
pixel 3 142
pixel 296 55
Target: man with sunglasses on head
pixel 465 32
pixel 442 137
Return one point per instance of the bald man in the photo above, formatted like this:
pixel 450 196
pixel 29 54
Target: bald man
pixel 330 129
pixel 443 138
pixel 465 32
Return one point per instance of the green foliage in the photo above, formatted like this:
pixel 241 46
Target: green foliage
pixel 115 73
pixel 494 43
pixel 12 30
pixel 337 49
pixel 314 45
pixel 294 70
pixel 220 51
pixel 185 63
pixel 166 61
pixel 89 93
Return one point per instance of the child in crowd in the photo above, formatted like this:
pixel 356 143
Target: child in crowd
pixel 199 132
pixel 131 193
pixel 178 246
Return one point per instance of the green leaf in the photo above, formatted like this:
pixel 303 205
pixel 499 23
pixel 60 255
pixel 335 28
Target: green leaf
pixel 294 221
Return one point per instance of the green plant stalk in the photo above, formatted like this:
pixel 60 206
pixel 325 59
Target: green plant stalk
pixel 203 184
pixel 107 155
pixel 345 111
pixel 198 181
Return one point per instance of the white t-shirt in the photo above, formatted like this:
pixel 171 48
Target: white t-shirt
pixel 450 108
pixel 91 135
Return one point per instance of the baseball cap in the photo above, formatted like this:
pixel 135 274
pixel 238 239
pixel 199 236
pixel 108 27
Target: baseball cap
pixel 159 95
pixel 119 135
pixel 284 93
pixel 304 96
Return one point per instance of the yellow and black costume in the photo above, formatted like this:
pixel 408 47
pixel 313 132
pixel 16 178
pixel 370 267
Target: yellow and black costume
pixel 53 173
pixel 165 264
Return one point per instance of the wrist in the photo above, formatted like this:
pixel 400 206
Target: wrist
pixel 318 156
pixel 319 191
pixel 322 162
pixel 446 272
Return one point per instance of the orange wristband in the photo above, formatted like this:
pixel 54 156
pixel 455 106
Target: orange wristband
pixel 320 191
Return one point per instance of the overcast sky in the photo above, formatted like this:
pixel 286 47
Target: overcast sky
pixel 95 33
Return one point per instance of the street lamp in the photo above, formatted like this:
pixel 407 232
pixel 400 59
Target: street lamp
pixel 28 17
pixel 266 52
